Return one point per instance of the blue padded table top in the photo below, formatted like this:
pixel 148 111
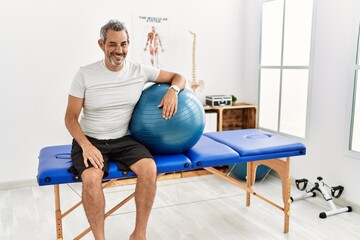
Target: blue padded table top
pixel 208 152
pixel 255 144
pixel 213 149
pixel 54 162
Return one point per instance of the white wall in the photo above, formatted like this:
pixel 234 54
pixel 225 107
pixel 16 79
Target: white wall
pixel 252 26
pixel 44 42
pixel 332 75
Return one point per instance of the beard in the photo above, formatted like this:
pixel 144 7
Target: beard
pixel 113 55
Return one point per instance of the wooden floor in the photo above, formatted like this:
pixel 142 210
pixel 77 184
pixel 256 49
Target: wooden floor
pixel 201 208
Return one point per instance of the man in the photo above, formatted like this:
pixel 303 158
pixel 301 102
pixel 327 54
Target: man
pixel 106 92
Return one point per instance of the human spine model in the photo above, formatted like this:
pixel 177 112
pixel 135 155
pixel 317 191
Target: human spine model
pixel 196 85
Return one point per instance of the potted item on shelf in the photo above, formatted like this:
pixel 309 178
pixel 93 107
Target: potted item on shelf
pixel 233 99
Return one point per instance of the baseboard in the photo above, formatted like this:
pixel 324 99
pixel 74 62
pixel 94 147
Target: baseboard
pixel 18 184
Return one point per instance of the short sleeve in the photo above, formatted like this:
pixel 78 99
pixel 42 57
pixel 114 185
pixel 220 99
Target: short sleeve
pixel 151 73
pixel 77 88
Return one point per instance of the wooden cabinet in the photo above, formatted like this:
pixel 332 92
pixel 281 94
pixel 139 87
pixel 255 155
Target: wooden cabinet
pixel 237 116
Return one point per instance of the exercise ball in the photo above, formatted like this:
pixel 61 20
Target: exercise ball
pixel 239 170
pixel 175 135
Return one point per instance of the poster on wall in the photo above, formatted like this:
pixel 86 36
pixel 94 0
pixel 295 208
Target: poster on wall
pixel 151 40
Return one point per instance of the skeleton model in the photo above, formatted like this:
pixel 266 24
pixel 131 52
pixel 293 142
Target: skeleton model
pixel 196 85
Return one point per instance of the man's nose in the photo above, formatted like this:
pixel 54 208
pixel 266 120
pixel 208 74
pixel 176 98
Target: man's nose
pixel 119 48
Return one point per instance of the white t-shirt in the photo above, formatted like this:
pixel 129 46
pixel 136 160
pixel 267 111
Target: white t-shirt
pixel 110 97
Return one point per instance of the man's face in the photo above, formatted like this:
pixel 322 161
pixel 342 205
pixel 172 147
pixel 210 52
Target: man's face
pixel 115 49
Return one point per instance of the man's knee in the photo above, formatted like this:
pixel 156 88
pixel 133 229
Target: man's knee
pixel 145 167
pixel 92 177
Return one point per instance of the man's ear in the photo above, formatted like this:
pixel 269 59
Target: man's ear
pixel 101 44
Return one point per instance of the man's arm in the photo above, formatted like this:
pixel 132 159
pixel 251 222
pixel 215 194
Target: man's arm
pixel 90 153
pixel 169 101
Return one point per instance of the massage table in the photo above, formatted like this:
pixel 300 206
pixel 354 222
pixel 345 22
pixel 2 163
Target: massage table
pixel 214 149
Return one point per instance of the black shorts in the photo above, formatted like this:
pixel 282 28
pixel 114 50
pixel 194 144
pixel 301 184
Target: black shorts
pixel 123 151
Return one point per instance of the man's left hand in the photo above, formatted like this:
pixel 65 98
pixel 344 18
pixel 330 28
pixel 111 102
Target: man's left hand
pixel 169 104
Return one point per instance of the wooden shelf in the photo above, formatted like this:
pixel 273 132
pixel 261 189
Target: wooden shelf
pixel 237 116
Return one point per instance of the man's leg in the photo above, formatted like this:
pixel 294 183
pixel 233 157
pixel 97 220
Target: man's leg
pixel 94 201
pixel 145 169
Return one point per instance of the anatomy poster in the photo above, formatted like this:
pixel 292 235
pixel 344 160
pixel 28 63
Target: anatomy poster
pixel 151 41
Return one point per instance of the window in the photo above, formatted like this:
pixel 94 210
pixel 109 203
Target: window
pixel 355 126
pixel 284 67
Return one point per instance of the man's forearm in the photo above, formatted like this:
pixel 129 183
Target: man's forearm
pixel 179 81
pixel 76 132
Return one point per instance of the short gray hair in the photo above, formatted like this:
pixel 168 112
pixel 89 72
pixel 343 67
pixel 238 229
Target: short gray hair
pixel 113 25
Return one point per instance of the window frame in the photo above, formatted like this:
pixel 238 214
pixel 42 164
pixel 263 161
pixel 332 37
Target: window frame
pixel 281 67
pixel 355 95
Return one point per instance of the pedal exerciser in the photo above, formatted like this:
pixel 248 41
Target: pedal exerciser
pixel 321 187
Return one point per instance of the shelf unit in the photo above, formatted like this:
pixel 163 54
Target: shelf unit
pixel 236 116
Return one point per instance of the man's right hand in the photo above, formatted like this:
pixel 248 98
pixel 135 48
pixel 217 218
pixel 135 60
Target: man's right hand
pixel 93 155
